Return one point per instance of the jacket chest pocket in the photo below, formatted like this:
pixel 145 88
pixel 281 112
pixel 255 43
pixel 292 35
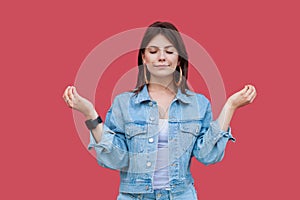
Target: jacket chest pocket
pixel 188 133
pixel 136 137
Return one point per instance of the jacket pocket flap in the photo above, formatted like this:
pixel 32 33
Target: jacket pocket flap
pixel 192 128
pixel 132 130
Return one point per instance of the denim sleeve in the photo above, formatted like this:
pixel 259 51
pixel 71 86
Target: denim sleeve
pixel 112 150
pixel 211 142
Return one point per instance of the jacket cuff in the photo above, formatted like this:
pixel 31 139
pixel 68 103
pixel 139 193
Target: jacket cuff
pixel 220 133
pixel 105 143
pixel 93 142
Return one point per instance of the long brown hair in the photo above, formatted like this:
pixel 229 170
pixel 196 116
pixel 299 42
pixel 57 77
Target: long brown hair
pixel 171 33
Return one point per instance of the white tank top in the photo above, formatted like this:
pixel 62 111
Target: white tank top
pixel 161 173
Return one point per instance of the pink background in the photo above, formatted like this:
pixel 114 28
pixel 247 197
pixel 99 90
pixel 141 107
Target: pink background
pixel 44 43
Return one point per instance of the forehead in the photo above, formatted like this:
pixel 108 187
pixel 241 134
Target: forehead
pixel 159 41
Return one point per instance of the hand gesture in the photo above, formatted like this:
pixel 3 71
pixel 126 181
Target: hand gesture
pixel 77 102
pixel 242 97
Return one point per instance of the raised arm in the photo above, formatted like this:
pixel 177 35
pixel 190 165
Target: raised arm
pixel 235 101
pixel 81 104
pixel 210 146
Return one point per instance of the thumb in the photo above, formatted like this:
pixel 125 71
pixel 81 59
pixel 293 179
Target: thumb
pixel 74 91
pixel 244 90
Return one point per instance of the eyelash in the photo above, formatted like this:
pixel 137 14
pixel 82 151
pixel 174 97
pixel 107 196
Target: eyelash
pixel 168 52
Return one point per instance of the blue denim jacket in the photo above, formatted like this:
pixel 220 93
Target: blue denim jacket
pixel 130 137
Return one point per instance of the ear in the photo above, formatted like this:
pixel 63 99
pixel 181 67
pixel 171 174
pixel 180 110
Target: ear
pixel 178 62
pixel 143 57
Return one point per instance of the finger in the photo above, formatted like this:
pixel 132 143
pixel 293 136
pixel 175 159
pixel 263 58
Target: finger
pixel 65 95
pixel 74 91
pixel 253 95
pixel 73 97
pixel 253 98
pixel 249 90
pixel 244 90
pixel 70 94
pixel 253 90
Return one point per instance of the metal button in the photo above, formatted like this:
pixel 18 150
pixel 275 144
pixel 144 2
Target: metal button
pixel 151 140
pixel 158 195
pixel 148 164
pixel 150 103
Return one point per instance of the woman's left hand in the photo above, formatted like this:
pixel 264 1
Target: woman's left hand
pixel 242 97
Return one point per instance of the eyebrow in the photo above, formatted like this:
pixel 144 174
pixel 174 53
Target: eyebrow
pixel 163 47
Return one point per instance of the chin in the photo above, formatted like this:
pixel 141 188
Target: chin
pixel 163 75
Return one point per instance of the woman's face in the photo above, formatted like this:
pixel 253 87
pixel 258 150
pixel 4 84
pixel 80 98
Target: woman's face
pixel 161 57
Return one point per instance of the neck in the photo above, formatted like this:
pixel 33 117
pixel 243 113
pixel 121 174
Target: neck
pixel 162 86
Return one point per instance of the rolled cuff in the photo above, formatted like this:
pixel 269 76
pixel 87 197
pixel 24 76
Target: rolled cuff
pixel 219 133
pixel 106 142
pixel 111 151
pixel 93 142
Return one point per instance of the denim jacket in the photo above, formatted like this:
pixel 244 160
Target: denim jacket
pixel 130 136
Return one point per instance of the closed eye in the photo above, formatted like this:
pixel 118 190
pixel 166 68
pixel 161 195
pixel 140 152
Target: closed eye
pixel 169 52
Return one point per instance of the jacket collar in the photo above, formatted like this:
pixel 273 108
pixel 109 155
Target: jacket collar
pixel 143 95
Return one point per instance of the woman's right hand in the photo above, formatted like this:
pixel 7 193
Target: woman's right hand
pixel 77 102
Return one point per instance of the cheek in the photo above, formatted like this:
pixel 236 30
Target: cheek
pixel 149 58
pixel 174 60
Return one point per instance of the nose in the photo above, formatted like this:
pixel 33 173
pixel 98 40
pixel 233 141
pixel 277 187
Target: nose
pixel 161 56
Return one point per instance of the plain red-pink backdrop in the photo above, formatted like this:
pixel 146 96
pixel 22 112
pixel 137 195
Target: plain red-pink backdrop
pixel 44 43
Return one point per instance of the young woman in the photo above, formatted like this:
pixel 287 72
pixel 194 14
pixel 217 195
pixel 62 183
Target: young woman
pixel 151 133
